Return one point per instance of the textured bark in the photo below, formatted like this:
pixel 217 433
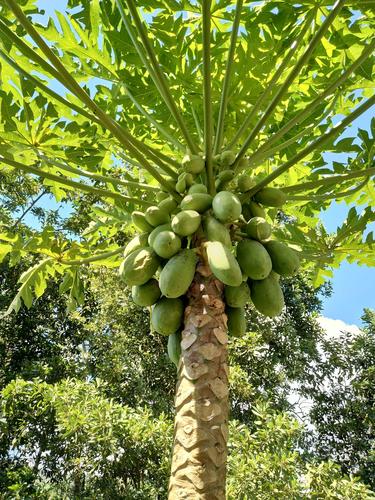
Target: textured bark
pixel 201 421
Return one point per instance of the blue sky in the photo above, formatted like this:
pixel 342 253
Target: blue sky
pixel 353 286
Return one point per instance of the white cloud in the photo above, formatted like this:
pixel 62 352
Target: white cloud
pixel 335 327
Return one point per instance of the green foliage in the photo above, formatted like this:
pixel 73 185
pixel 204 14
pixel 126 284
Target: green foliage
pixel 100 146
pixel 264 464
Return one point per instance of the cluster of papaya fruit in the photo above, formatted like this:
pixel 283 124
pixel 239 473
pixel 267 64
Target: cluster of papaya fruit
pixel 232 231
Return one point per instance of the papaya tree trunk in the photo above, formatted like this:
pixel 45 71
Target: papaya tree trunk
pixel 201 402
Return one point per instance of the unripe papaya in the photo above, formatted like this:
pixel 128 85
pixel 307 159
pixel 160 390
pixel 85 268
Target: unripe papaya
pixel 181 186
pixel 193 164
pixel 174 347
pixel 271 197
pixel 243 163
pixel 167 315
pixel 236 321
pixel 147 294
pixel 245 182
pixel 197 201
pixel 258 229
pixel 178 273
pixel 197 188
pixel 246 212
pixel 223 179
pixel 167 244
pixel 223 263
pixel 138 241
pixel 139 266
pixel 237 296
pixel 156 216
pixel 161 195
pixel 156 231
pixel 226 206
pixel 285 260
pixel 168 205
pixel 256 210
pixel 267 296
pixel 216 231
pixel 227 158
pixel 186 222
pixel 253 259
pixel 139 220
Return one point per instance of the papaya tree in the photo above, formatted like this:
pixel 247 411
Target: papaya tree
pixel 200 131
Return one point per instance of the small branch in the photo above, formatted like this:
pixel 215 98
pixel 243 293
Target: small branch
pixel 156 124
pixel 290 78
pixel 88 260
pixel 125 138
pixel 197 124
pixel 333 179
pixel 330 196
pixel 227 77
pixel 32 204
pixel 272 84
pixel 308 110
pixel 77 185
pixel 207 102
pixel 313 146
pixel 262 153
pixel 99 177
pixel 157 74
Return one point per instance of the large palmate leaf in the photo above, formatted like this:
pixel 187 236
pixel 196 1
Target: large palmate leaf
pixel 100 103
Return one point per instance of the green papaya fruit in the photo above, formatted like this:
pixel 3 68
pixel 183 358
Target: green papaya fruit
pixel 139 241
pixel 168 204
pixel 174 347
pixel 227 158
pixel 156 216
pixel 147 294
pixel 258 229
pixel 267 296
pixel 245 183
pixel 223 179
pixel 193 164
pixel 236 321
pixel 181 186
pixel 253 259
pixel 197 188
pixel 285 260
pixel 223 263
pixel 178 274
pixel 271 197
pixel 167 244
pixel 186 222
pixel 256 210
pixel 160 196
pixel 244 163
pixel 246 212
pixel 167 316
pixel 197 201
pixel 139 266
pixel 216 231
pixel 139 220
pixel 226 206
pixel 156 231
pixel 237 296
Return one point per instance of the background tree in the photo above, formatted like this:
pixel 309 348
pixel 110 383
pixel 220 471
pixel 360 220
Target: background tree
pixel 85 134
